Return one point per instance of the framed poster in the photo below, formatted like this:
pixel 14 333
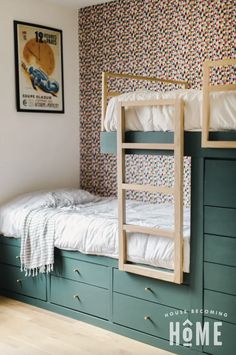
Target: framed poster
pixel 39 68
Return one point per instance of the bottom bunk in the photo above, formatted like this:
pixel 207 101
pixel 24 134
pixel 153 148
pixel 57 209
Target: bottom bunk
pixel 91 288
pixel 79 221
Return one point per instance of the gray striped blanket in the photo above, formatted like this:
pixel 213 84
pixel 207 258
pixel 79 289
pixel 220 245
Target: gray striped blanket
pixel 37 241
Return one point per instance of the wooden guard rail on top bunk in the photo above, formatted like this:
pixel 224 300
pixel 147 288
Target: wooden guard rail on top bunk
pixel 106 94
pixel 207 89
pixel 176 275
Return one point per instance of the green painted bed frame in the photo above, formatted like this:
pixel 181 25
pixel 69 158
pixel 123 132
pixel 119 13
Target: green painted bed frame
pixel 92 289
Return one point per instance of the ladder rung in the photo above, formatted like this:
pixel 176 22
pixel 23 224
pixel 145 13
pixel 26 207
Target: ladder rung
pixel 148 188
pixel 144 271
pixel 156 146
pixel 132 228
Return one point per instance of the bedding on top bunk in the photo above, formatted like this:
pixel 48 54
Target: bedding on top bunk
pixel 161 118
pixel 79 221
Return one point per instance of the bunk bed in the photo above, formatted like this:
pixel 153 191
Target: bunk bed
pixel 137 300
pixel 186 103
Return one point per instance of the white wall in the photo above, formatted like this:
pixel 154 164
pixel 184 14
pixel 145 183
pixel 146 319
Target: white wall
pixel 38 150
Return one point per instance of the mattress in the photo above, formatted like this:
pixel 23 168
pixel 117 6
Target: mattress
pixel 161 118
pixel 89 225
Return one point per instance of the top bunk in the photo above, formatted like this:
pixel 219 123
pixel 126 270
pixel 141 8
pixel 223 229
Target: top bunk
pixel 209 116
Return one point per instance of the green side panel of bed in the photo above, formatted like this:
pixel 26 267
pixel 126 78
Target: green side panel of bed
pixel 220 278
pixel 220 183
pixel 227 338
pixel 223 305
pixel 220 221
pixel 93 259
pixel 108 141
pixel 9 241
pixel 192 143
pixel 220 250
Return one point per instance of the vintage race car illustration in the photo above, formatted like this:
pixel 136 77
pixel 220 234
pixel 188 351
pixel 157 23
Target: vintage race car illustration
pixel 41 80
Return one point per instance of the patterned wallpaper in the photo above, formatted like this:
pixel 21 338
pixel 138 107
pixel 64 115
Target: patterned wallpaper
pixel 165 38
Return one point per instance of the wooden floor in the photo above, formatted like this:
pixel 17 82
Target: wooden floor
pixel 28 330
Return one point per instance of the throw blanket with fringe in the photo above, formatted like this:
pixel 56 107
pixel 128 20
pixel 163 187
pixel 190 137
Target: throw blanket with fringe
pixel 38 226
pixel 37 241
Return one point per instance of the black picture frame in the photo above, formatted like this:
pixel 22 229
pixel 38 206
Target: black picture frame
pixel 39 73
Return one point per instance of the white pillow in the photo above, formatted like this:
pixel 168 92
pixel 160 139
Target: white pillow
pixel 71 197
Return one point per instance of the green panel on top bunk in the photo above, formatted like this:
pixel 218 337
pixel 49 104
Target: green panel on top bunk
pixel 109 141
pixel 192 143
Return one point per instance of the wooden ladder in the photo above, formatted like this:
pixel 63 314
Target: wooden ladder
pixel 176 275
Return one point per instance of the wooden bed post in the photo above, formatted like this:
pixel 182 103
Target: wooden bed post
pixel 175 276
pixel 178 195
pixel 104 99
pixel 207 89
pixel 121 192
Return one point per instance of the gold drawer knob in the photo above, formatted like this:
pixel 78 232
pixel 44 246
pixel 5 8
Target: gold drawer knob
pixel 146 318
pixel 76 270
pixel 18 257
pixel 147 289
pixel 76 296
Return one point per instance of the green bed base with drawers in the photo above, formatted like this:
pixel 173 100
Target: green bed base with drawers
pixel 92 289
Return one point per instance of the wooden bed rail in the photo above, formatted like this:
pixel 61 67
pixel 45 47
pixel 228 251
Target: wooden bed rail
pixel 176 275
pixel 207 89
pixel 107 94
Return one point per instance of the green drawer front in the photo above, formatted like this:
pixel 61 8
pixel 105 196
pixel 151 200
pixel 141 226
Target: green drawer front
pixel 12 279
pixel 9 254
pixel 152 290
pixel 221 302
pixel 220 187
pixel 220 278
pixel 82 271
pixel 227 338
pixel 220 250
pixel 220 221
pixel 79 296
pixel 131 312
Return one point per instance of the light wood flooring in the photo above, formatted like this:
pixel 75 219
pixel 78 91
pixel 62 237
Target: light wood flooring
pixel 28 330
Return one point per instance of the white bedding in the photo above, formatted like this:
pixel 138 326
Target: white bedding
pixel 89 224
pixel 161 118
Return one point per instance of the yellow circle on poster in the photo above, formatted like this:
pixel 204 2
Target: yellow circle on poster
pixel 41 54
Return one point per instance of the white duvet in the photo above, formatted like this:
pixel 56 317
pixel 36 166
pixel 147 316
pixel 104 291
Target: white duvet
pixel 161 118
pixel 88 224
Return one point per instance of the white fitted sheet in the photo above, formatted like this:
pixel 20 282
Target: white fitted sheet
pixel 91 227
pixel 161 118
